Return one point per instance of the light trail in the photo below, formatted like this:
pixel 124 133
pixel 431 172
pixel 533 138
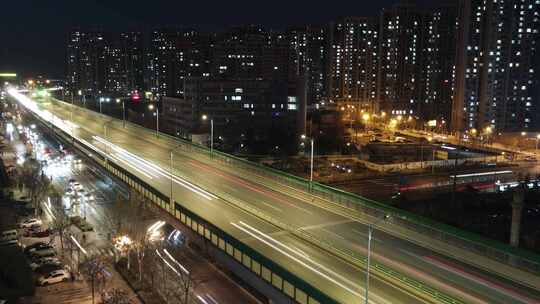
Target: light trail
pixel 297 260
pixel 155 169
pixel 176 262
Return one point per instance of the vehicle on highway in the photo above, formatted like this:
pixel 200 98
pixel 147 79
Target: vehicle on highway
pixel 77 186
pixel 69 192
pixel 45 261
pixel 89 197
pixel 55 276
pixel 30 222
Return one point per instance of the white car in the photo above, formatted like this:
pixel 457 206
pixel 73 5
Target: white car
pixel 56 276
pixel 77 186
pixel 30 222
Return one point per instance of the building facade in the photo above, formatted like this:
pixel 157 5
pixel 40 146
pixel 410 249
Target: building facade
pixel 496 74
pixel 352 61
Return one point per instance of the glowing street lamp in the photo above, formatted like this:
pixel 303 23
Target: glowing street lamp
pixel 118 100
pixel 151 107
pixel 205 117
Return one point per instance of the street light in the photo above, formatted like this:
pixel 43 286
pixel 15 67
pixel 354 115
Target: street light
pixel 205 117
pixel 368 264
pixel 118 100
pixel 151 107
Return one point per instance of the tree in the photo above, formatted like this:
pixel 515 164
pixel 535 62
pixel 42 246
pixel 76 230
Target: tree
pixel 115 296
pixel 35 181
pixel 94 268
pixel 60 224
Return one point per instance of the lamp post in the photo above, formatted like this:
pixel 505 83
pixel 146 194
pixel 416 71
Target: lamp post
pixel 303 137
pixel 151 107
pixel 205 117
pixel 118 100
pixel 368 264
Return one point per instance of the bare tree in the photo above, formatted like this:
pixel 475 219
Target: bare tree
pixel 60 224
pixel 115 296
pixel 94 268
pixel 35 181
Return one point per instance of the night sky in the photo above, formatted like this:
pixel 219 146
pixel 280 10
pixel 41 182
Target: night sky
pixel 33 32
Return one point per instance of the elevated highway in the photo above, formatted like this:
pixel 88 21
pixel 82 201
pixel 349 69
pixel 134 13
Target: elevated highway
pixel 318 235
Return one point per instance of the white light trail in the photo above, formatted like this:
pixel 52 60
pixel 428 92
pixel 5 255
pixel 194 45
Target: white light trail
pixel 153 169
pixel 79 245
pixel 299 260
pixel 176 262
pixel 482 174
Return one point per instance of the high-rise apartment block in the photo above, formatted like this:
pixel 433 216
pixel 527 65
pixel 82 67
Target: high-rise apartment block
pixel 467 64
pixel 496 76
pixel 352 60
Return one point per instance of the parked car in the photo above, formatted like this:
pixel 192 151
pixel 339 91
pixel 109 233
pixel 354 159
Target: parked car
pixel 30 222
pixel 43 253
pixel 39 233
pixel 48 268
pixel 35 246
pixel 77 186
pixel 10 243
pixel 31 230
pixel 8 235
pixel 53 277
pixel 39 248
pixel 45 261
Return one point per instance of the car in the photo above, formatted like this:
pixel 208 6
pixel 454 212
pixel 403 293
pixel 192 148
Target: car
pixel 30 222
pixel 10 243
pixel 53 277
pixel 69 191
pixel 45 261
pixel 29 232
pixel 42 253
pixel 37 248
pixel 40 233
pixel 72 181
pixel 77 186
pixel 89 197
pixel 8 235
pixel 77 161
pixel 35 245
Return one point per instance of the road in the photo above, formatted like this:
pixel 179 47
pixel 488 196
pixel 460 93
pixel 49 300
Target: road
pixel 197 178
pixel 98 212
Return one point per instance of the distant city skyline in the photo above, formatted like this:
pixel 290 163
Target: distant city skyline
pixel 34 35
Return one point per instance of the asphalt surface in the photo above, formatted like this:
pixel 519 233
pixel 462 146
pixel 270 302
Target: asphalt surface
pixel 97 211
pixel 199 177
